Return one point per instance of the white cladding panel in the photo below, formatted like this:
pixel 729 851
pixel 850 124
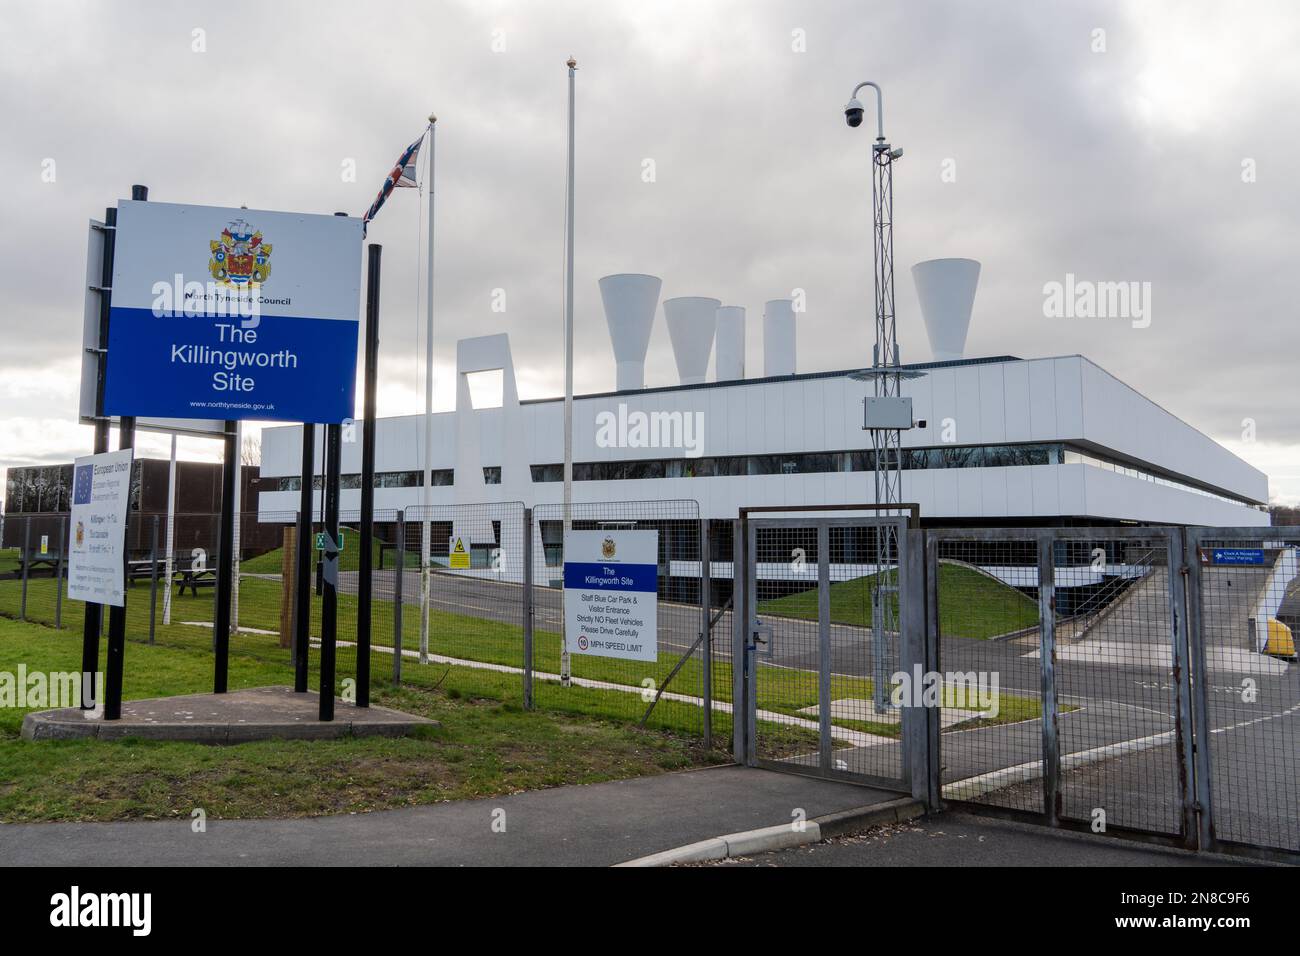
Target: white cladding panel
pixel 1058 399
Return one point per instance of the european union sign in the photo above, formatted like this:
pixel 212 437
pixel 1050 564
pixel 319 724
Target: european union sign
pixel 233 313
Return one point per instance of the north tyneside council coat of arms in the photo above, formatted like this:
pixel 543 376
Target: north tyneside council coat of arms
pixel 607 548
pixel 240 258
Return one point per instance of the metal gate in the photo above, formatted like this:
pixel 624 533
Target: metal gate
pixel 829 612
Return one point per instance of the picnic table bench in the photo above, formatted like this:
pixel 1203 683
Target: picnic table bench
pixel 34 559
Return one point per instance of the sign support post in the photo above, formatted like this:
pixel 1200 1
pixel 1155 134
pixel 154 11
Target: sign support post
pixel 117 613
pixel 366 555
pixel 225 566
pixel 329 593
pixel 303 565
pixel 94 612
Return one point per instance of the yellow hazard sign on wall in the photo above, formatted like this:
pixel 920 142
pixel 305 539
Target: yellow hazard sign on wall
pixel 459 554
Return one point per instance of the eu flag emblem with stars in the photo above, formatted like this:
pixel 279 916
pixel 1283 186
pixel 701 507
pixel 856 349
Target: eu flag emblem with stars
pixel 81 485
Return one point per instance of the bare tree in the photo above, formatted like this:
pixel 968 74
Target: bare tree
pixel 251 452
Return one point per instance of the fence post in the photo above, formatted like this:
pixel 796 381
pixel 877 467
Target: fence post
pixel 528 609
pixel 824 756
pixel 58 574
pixel 27 560
pixel 400 576
pixel 1047 660
pixel 739 641
pixel 1176 561
pixel 1202 757
pixel 706 614
pixel 153 579
pixel 913 598
pixel 933 664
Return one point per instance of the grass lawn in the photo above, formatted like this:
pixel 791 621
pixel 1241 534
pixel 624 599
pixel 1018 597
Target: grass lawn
pixel 971 604
pixel 349 558
pixel 467 637
pixel 487 744
pixel 9 560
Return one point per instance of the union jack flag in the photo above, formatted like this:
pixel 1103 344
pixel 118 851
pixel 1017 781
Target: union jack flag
pixel 402 175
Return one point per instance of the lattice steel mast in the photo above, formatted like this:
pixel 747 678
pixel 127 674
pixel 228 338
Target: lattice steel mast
pixel 886 375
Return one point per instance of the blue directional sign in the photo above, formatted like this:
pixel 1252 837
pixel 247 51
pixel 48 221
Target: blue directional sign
pixel 1237 556
pixel 233 313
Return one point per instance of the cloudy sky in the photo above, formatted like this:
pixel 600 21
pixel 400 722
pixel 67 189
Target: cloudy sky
pixel 1140 141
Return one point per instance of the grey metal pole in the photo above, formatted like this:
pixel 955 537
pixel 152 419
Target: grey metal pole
pixel 1047 661
pixel 153 580
pixel 1184 724
pixel 568 354
pixel 824 664
pixel 58 574
pixel 739 639
pixel 27 560
pixel 706 613
pixel 528 609
pixel 398 581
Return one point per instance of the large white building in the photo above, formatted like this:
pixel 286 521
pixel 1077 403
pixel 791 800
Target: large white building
pixel 1005 440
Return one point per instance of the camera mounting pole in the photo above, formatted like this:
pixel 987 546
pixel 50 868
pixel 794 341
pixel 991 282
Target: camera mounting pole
pixel 887 377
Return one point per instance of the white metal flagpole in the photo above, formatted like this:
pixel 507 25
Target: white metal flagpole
pixel 426 460
pixel 170 536
pixel 568 356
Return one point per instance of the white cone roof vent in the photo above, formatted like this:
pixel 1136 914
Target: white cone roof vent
pixel 692 321
pixel 630 301
pixel 946 290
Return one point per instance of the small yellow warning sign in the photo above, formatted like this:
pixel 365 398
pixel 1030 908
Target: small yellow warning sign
pixel 459 554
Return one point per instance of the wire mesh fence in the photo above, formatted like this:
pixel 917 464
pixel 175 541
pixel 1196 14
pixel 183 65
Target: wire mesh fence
pixel 989 638
pixel 1155 639
pixel 673 691
pixel 1249 587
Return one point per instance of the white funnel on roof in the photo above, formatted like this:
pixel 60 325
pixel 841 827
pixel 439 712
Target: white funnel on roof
pixel 630 301
pixel 946 290
pixel 692 320
pixel 778 337
pixel 730 364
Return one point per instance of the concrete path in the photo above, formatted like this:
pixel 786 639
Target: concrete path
pixel 596 825
pixel 955 839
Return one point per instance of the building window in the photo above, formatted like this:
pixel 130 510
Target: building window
pixel 491 474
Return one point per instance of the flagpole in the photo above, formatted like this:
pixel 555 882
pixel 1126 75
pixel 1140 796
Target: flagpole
pixel 426 460
pixel 568 357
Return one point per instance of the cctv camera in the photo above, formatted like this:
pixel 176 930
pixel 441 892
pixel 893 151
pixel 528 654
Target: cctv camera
pixel 853 113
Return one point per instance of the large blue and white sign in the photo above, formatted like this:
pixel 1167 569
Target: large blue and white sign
pixel 611 583
pixel 233 313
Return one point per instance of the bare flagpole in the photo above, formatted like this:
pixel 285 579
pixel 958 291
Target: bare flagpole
pixel 568 355
pixel 427 456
